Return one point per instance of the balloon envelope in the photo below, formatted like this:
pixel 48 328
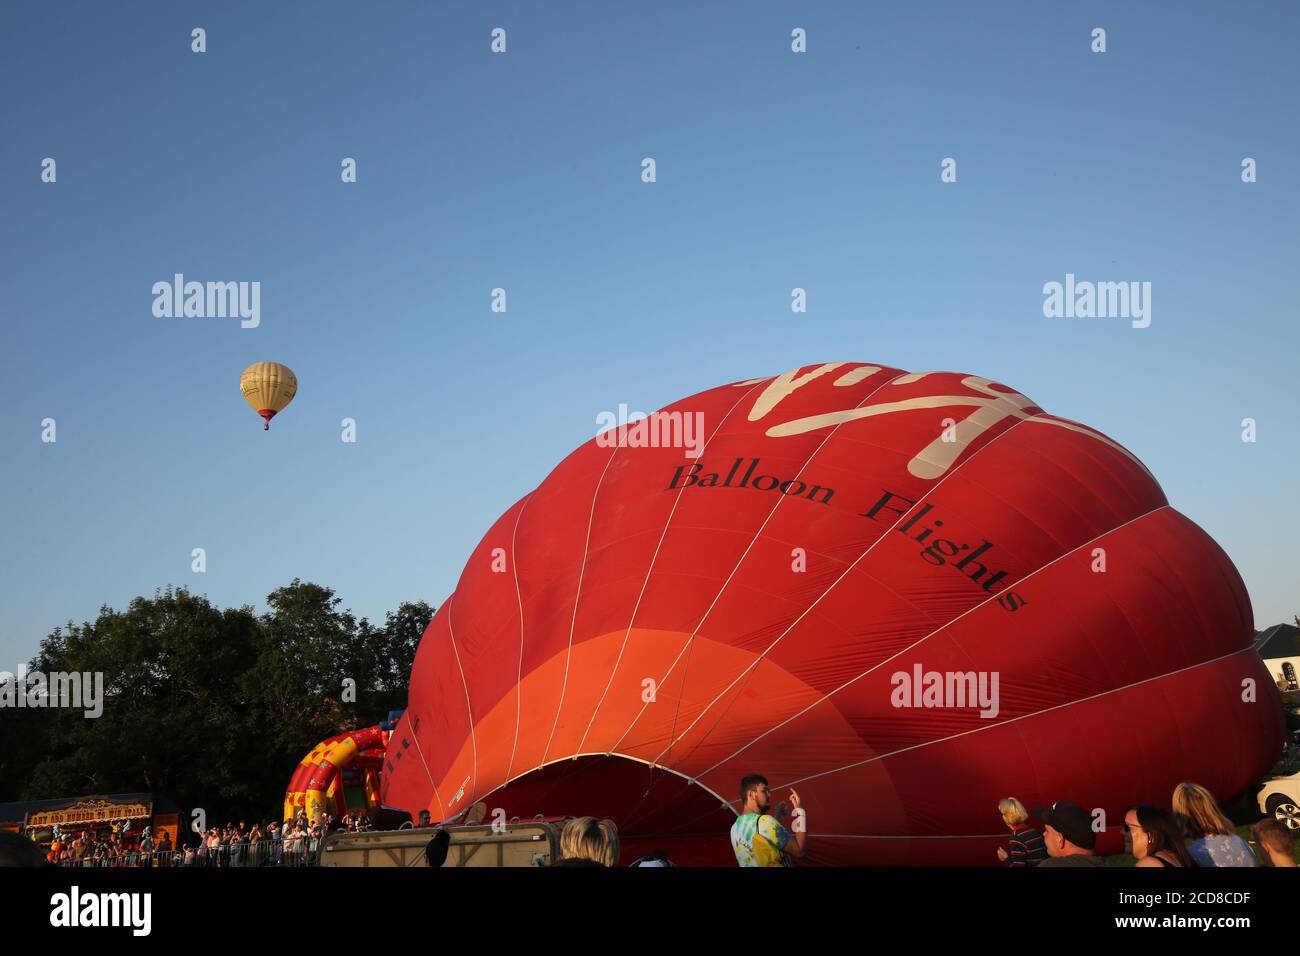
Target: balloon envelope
pixel 905 595
pixel 268 387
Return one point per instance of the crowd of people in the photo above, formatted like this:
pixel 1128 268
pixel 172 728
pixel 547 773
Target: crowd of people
pixel 293 843
pixel 1192 832
pixel 116 845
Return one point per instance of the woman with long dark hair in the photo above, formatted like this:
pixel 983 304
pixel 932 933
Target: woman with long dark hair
pixel 1153 836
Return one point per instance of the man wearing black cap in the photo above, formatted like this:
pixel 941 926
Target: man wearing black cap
pixel 1068 835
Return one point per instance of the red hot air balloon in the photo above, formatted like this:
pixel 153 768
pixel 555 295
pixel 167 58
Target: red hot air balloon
pixel 908 595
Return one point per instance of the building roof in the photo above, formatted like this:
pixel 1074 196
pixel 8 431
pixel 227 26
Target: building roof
pixel 1280 640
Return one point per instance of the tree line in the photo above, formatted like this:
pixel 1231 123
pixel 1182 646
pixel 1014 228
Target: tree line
pixel 212 707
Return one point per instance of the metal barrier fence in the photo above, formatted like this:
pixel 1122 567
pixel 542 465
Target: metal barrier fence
pixel 290 852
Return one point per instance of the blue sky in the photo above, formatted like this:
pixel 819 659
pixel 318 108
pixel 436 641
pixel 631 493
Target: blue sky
pixel 522 171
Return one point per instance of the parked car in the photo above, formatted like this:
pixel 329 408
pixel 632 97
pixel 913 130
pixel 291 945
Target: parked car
pixel 1279 798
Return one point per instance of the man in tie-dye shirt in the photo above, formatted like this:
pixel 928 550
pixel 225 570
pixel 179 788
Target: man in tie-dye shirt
pixel 757 836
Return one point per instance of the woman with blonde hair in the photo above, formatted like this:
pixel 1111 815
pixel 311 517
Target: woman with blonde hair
pixel 1216 842
pixel 586 841
pixel 1025 845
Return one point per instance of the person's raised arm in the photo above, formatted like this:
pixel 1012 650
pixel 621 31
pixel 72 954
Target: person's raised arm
pixel 797 846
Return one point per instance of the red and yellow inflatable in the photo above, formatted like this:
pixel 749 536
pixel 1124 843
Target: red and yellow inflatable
pixel 340 775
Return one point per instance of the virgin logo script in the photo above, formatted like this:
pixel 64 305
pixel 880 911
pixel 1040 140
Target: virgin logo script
pixel 923 523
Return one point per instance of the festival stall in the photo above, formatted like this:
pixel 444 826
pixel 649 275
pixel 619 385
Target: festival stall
pixel 99 815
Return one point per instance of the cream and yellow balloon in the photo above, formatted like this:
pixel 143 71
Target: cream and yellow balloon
pixel 268 387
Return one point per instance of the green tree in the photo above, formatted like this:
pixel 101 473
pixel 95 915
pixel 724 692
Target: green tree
pixel 173 699
pixel 211 707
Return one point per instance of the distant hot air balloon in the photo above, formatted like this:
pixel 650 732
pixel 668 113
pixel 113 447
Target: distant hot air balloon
pixel 906 595
pixel 268 387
